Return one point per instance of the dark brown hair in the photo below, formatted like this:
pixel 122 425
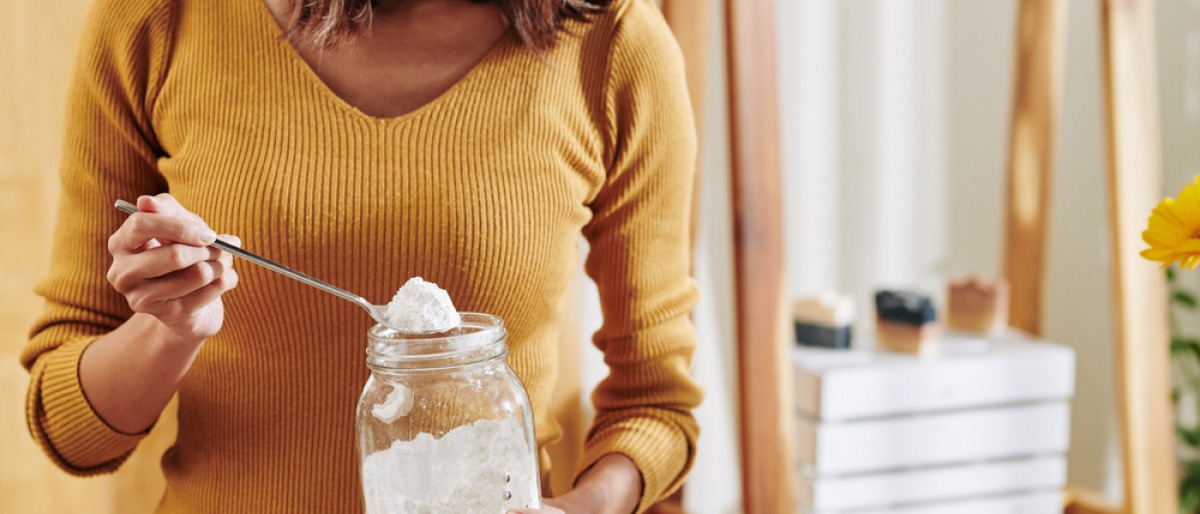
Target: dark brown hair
pixel 327 22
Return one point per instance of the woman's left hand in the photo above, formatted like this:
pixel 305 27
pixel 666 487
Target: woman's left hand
pixel 612 486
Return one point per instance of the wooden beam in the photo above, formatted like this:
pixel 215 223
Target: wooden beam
pixel 1146 417
pixel 1081 501
pixel 1037 87
pixel 758 253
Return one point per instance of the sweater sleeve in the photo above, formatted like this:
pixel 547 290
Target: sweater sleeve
pixel 640 260
pixel 109 153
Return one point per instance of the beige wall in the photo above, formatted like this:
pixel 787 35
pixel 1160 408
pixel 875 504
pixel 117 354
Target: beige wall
pixel 37 42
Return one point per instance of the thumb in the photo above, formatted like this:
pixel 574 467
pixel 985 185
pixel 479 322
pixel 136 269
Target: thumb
pixel 145 203
pixel 162 204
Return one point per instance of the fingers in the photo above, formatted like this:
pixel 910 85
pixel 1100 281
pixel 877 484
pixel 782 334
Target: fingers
pixel 161 219
pixel 166 204
pixel 174 281
pixel 142 227
pixel 231 239
pixel 162 203
pixel 159 261
pixel 175 310
pixel 226 259
pixel 174 285
pixel 207 294
pixel 130 271
pixel 164 266
pixel 182 293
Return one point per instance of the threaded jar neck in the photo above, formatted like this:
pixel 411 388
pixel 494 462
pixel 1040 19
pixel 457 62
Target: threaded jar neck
pixel 480 338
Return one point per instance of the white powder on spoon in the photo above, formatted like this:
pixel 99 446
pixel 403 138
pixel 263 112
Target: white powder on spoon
pixel 422 307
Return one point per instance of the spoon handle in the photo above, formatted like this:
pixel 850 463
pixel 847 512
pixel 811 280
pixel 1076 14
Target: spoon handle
pixel 271 265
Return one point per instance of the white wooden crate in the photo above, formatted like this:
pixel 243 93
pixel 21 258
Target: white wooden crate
pixel 980 427
pixel 833 448
pixel 984 479
pixel 1034 502
pixel 966 373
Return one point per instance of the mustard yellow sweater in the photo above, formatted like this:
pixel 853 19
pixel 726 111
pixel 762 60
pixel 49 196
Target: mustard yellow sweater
pixel 485 191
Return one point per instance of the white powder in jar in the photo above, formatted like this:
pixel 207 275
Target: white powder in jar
pixel 484 467
pixel 422 307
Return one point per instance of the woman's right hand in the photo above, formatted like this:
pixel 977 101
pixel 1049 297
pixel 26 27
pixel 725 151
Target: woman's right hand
pixel 163 265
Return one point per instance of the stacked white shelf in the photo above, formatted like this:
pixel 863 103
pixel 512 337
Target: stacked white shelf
pixel 981 427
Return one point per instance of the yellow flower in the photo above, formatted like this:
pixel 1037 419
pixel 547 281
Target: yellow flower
pixel 1174 231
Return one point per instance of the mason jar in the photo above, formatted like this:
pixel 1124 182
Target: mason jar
pixel 444 425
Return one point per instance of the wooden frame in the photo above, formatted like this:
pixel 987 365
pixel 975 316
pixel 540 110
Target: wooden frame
pixel 1037 89
pixel 758 254
pixel 1134 185
pixel 1139 290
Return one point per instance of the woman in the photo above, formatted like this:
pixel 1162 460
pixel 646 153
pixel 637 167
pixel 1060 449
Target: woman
pixel 363 142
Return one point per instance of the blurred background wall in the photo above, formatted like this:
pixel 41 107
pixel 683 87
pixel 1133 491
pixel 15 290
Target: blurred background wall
pixel 37 43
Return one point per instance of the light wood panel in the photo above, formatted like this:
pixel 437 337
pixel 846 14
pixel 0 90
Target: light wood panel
pixel 1139 289
pixel 758 253
pixel 37 43
pixel 1077 501
pixel 1037 88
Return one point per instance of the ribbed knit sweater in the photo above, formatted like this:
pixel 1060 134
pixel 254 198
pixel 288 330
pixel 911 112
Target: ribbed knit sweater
pixel 485 191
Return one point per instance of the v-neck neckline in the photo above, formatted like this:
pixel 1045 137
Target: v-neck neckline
pixel 493 56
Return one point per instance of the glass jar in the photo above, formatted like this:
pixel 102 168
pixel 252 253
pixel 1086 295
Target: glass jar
pixel 444 425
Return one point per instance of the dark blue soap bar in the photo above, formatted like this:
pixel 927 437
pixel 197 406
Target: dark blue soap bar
pixel 818 335
pixel 904 307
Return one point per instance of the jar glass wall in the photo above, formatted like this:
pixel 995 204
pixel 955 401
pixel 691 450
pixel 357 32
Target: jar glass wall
pixel 444 425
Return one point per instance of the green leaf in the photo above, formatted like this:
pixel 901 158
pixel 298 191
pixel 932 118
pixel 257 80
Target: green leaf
pixel 1189 487
pixel 1191 435
pixel 1181 346
pixel 1170 273
pixel 1184 298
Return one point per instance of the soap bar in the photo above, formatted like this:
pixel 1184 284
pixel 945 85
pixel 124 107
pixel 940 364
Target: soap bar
pixel 977 304
pixel 824 320
pixel 905 321
pixel 826 337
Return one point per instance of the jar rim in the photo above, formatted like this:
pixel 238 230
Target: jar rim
pixel 478 338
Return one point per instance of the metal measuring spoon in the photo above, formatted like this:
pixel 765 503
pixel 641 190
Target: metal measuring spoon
pixel 378 312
